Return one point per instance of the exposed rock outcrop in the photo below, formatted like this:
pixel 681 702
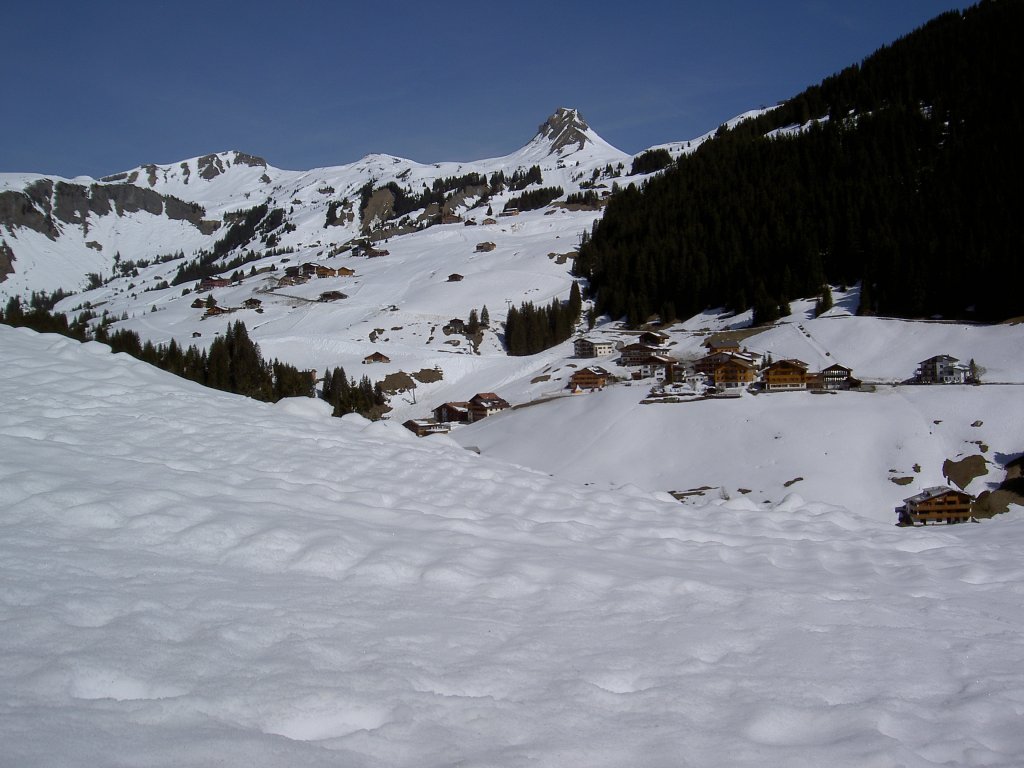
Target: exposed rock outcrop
pixel 563 129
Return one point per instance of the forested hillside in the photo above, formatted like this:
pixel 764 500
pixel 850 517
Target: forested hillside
pixel 907 173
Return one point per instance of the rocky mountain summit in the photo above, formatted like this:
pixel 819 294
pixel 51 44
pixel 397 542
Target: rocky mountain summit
pixel 563 129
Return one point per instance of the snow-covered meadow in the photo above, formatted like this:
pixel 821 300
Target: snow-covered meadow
pixel 192 578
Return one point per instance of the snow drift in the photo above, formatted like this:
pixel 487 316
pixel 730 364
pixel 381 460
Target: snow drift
pixel 189 577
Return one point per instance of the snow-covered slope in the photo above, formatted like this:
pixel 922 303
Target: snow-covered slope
pixel 191 578
pixel 866 449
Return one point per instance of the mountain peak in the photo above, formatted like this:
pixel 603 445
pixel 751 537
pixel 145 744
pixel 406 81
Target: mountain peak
pixel 565 128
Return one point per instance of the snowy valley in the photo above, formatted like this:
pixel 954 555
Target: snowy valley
pixel 602 578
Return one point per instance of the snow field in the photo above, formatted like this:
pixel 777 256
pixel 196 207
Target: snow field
pixel 188 577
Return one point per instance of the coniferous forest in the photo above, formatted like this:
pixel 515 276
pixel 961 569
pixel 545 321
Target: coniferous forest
pixel 530 329
pixel 908 176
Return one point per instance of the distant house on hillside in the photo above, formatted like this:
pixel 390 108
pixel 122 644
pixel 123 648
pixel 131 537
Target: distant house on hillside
pixel 376 357
pixel 483 404
pixel 935 505
pixel 424 427
pixel 593 377
pixel 209 283
pixel 345 272
pixel 834 377
pixel 490 220
pixel 718 344
pixel 654 338
pixel 785 375
pixel 453 411
pixel 252 303
pixel 455 277
pixel 734 373
pixel 485 247
pixel 941 369
pixel 709 363
pixel 322 271
pixel 332 296
pixel 456 325
pixel 583 347
pixel 636 354
pixel 661 367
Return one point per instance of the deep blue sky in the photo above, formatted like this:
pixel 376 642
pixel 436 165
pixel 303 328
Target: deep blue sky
pixel 98 87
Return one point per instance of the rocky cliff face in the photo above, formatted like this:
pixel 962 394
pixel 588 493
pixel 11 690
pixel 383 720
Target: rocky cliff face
pixel 564 129
pixel 44 203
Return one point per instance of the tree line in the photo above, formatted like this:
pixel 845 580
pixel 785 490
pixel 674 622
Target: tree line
pixel 530 329
pixel 347 396
pixel 906 175
pixel 534 199
pixel 232 364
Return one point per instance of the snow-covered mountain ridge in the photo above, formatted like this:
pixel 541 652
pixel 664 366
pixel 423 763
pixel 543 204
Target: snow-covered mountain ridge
pixel 57 231
pixel 176 592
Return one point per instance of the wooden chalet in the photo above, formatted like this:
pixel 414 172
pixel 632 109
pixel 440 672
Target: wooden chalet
pixel 209 283
pixel 483 404
pixel 939 504
pixel 374 253
pixel 322 271
pixel 252 303
pixel 454 411
pixel 654 338
pixel 215 310
pixel 583 347
pixel 718 344
pixel 593 377
pixel 198 304
pixel 836 376
pixel 733 373
pixel 345 272
pixel 783 375
pixel 376 357
pixel 509 212
pixel 451 218
pixel 485 247
pixel 636 354
pixel 424 427
pixel 455 277
pixel 490 220
pixel 456 325
pixel 708 363
pixel 332 296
